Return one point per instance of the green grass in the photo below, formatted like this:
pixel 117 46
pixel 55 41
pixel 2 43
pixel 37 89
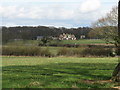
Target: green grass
pixel 23 42
pixel 57 72
pixel 35 42
pixel 83 41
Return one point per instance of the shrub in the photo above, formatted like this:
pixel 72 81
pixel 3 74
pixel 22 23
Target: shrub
pixel 63 51
pixel 25 51
pixel 69 51
pixel 31 51
pixel 46 53
pixel 96 51
pixel 37 51
pixel 85 51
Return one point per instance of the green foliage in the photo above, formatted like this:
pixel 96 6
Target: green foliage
pixel 45 40
pixel 58 72
pixel 105 32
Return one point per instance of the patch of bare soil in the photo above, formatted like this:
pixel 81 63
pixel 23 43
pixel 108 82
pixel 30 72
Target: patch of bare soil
pixel 117 87
pixel 96 81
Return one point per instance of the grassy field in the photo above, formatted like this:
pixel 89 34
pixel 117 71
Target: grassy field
pixel 83 41
pixel 57 72
pixel 35 42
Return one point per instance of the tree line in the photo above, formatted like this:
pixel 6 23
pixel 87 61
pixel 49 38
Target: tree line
pixel 30 33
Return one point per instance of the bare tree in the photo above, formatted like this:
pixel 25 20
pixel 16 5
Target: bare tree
pixel 111 19
pixel 108 27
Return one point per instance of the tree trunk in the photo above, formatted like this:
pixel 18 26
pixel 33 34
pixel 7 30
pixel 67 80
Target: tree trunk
pixel 116 73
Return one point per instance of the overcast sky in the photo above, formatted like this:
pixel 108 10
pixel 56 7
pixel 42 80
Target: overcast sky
pixel 58 13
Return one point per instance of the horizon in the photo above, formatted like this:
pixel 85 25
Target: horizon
pixel 48 26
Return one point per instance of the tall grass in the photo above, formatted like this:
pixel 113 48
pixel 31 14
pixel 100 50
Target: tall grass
pixel 63 51
pixel 97 51
pixel 25 51
pixel 85 51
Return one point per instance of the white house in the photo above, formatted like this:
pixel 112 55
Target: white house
pixel 67 37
